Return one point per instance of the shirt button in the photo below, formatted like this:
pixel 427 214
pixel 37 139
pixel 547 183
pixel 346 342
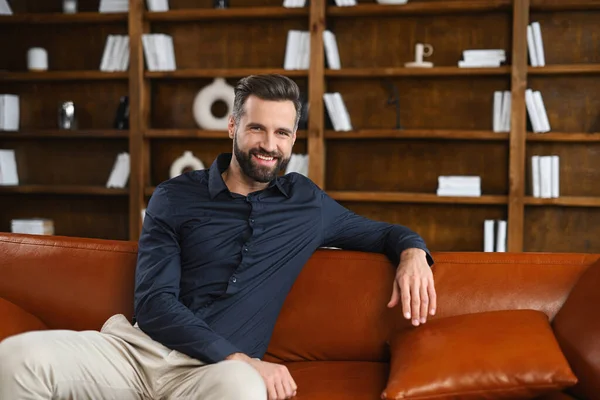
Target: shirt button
pixel 245 249
pixel 234 280
pixel 251 220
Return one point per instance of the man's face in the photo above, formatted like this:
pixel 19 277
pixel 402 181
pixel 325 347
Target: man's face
pixel 263 140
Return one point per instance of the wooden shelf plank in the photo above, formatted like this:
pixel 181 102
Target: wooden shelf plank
pixel 66 134
pixel 565 69
pixel 567 201
pixel 416 134
pixel 199 14
pixel 402 71
pixel 64 189
pixel 60 18
pixel 60 76
pixel 196 133
pixel 222 72
pixel 564 5
pixel 563 137
pixel 430 7
pixel 426 198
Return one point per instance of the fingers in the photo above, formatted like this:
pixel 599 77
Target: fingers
pixel 432 296
pixel 395 295
pixel 415 301
pixel 405 296
pixel 424 300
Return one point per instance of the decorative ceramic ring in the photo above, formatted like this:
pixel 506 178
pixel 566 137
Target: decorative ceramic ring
pixel 187 162
pixel 219 89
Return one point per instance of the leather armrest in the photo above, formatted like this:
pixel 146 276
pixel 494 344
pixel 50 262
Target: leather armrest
pixel 16 320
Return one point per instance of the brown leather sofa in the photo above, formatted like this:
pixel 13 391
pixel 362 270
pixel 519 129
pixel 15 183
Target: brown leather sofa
pixel 333 332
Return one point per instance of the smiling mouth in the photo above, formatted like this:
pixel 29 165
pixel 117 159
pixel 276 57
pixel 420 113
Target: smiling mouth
pixel 264 160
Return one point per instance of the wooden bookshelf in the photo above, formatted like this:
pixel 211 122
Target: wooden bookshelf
pixel 378 169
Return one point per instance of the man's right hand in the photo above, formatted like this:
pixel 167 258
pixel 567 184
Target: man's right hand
pixel 278 380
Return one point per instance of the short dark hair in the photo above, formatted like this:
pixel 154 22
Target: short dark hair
pixel 266 87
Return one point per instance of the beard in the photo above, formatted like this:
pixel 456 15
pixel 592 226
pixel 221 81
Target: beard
pixel 257 172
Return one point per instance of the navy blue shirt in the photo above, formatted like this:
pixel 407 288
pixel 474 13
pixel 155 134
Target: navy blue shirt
pixel 214 267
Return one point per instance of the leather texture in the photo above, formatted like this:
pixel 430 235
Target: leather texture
pixel 16 320
pixel 71 283
pixel 556 396
pixel 327 380
pixel 577 328
pixel 335 312
pixel 491 355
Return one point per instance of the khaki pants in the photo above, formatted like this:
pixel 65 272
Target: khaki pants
pixel 120 362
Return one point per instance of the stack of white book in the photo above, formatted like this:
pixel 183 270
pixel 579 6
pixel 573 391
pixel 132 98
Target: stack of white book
pixel 345 3
pixel 294 3
pixel 469 186
pixel 502 103
pixel 338 113
pixel 535 45
pixel 159 52
pixel 116 54
pixel 332 55
pixel 545 176
pixel 157 5
pixel 32 226
pixel 537 111
pixel 8 168
pixel 298 163
pixel 297 50
pixel 9 112
pixel 494 236
pixel 120 172
pixel 482 58
pixel 5 8
pixel 110 6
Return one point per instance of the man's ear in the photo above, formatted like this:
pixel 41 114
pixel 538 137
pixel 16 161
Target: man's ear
pixel 231 126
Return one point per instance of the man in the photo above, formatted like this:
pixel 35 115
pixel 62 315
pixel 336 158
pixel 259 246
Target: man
pixel 219 251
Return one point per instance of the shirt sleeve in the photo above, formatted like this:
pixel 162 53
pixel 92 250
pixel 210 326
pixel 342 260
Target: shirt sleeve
pixel 158 311
pixel 344 229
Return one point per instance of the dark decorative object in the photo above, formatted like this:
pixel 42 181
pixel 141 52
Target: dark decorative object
pixel 122 116
pixel 221 3
pixel 394 98
pixel 66 115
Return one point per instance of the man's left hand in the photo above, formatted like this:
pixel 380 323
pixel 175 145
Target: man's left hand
pixel 414 286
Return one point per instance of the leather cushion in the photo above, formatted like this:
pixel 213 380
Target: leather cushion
pixel 577 329
pixel 341 380
pixel 16 320
pixel 491 355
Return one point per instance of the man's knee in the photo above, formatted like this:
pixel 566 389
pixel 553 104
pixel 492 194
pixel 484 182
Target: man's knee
pixel 21 360
pixel 238 380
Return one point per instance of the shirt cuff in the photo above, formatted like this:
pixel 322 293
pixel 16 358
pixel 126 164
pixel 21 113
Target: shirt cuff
pixel 218 350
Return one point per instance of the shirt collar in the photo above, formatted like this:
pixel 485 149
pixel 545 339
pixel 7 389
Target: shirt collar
pixel 215 181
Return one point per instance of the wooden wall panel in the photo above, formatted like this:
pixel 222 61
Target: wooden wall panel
pixel 425 103
pixel 445 227
pixel 562 229
pixel 414 166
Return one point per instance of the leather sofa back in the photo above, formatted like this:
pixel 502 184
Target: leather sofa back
pixel 70 283
pixel 337 307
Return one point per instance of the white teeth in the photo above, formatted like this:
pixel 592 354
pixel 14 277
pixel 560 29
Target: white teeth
pixel 264 158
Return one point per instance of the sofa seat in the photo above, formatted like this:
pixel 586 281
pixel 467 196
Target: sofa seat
pixel 339 380
pixel 556 396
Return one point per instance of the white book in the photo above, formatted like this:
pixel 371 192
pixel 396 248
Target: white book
pixel 331 110
pixel 479 64
pixel 459 192
pixel 5 8
pixel 501 236
pixel 120 172
pixel 478 53
pixel 506 110
pixel 555 176
pixel 171 45
pixel 292 50
pixel 8 168
pixel 331 50
pixel 9 112
pixel 535 176
pixel 539 44
pixel 532 111
pixel 546 177
pixel 305 59
pixel 104 60
pixel 147 52
pixel 497 111
pixel 125 58
pixel 459 181
pixel 533 60
pixel 342 111
pixel 541 109
pixel 488 235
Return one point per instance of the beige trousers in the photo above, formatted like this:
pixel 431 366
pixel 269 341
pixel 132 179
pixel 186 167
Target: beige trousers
pixel 119 362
